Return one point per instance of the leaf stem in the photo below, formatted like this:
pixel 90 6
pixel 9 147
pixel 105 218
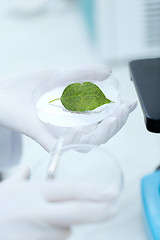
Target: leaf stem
pixel 55 100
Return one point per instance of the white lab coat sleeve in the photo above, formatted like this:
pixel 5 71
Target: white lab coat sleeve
pixel 10 148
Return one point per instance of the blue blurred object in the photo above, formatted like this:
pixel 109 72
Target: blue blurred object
pixel 150 189
pixel 87 8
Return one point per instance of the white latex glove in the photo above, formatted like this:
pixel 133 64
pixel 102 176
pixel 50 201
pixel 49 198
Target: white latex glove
pixel 46 210
pixel 103 131
pixel 17 109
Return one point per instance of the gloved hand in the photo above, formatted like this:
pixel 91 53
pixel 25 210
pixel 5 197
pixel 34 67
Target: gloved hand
pixel 46 210
pixel 103 131
pixel 17 109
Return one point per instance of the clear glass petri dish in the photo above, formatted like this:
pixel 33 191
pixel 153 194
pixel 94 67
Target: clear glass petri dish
pixel 82 163
pixel 85 164
pixel 55 114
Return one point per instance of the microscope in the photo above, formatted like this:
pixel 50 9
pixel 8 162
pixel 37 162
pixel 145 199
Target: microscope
pixel 145 74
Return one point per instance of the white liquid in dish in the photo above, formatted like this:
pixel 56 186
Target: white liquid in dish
pixel 55 114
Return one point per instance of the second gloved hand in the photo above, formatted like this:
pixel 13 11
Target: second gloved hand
pixel 47 210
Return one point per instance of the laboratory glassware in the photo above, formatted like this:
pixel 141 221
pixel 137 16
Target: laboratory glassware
pixel 67 123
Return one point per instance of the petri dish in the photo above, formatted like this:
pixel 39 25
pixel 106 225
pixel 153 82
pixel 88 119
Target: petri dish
pixel 55 114
pixel 88 164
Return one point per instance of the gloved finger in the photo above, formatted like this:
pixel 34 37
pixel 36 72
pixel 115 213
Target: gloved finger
pixel 81 73
pixel 39 231
pixel 36 76
pixel 60 191
pixel 102 132
pixel 50 233
pixel 22 173
pixel 46 140
pixel 132 104
pixel 44 137
pixel 70 213
pixel 122 113
pixel 58 233
pixel 111 125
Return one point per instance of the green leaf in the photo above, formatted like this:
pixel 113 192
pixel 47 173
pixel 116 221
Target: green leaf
pixel 82 97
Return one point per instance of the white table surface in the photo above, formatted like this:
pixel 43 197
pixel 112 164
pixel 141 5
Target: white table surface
pixel 61 39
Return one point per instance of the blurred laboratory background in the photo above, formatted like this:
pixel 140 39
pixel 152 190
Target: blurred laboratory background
pixel 39 34
pixel 43 33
